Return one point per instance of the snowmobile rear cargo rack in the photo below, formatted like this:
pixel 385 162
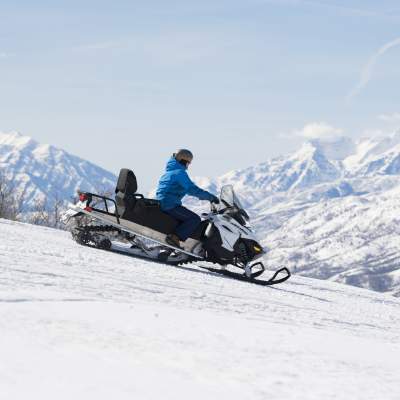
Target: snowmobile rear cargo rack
pixel 88 197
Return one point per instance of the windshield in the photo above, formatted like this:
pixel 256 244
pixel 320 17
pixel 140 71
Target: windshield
pixel 229 199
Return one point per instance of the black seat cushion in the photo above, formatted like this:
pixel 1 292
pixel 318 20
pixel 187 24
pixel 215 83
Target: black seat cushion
pixel 147 213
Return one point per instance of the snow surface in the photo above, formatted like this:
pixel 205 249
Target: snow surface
pixel 80 323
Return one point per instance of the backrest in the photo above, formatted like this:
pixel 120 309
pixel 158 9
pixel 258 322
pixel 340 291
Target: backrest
pixel 125 190
pixel 127 183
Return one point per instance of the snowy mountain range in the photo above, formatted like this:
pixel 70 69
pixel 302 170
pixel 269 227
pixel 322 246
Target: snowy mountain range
pixel 330 210
pixel 45 172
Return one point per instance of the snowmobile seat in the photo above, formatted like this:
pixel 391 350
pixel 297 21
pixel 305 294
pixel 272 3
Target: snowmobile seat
pixel 147 212
pixel 125 192
pixel 134 207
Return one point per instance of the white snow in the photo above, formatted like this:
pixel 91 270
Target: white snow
pixel 80 323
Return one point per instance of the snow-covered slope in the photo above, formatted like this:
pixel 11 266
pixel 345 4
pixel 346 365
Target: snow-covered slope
pixel 375 156
pixel 355 240
pixel 46 172
pixel 81 323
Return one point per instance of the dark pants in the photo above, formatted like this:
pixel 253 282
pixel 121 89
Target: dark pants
pixel 189 221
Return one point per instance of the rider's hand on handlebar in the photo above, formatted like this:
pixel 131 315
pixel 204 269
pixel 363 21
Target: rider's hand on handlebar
pixel 215 200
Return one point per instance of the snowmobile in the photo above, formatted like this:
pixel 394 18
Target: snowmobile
pixel 135 225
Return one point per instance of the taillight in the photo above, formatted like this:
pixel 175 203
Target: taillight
pixel 82 197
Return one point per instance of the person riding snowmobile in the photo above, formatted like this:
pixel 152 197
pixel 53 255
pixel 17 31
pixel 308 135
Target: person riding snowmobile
pixel 172 187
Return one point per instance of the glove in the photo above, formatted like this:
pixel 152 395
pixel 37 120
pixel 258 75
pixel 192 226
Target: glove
pixel 215 200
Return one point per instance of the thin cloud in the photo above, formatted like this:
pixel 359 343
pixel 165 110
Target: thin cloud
pixel 342 9
pixel 318 130
pixel 368 70
pixel 4 55
pixel 107 45
pixel 395 117
pixel 174 48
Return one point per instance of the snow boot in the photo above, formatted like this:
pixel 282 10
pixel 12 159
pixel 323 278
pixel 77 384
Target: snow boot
pixel 173 240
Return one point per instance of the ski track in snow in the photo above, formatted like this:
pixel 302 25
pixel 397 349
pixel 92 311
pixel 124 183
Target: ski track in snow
pixel 82 323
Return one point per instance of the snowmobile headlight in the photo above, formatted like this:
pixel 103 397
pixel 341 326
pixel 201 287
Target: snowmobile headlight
pixel 257 249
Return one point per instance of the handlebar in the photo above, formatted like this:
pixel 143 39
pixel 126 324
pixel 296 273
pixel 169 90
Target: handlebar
pixel 213 207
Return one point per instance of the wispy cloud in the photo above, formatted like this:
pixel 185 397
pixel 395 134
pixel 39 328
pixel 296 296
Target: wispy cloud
pixel 106 45
pixel 342 9
pixel 4 55
pixel 318 130
pixel 394 117
pixel 346 10
pixel 369 67
pixel 182 48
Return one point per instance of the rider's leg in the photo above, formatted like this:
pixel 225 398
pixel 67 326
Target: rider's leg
pixel 189 221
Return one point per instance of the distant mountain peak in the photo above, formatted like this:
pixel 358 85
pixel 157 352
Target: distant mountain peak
pixel 43 171
pixel 16 139
pixel 10 135
pixel 337 148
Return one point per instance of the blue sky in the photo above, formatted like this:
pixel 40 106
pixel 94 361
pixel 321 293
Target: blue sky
pixel 124 83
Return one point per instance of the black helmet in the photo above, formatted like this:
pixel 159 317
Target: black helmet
pixel 184 156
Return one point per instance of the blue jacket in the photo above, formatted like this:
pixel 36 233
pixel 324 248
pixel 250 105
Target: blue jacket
pixel 175 184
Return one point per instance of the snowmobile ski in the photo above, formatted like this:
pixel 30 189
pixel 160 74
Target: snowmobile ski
pixel 242 277
pixel 224 272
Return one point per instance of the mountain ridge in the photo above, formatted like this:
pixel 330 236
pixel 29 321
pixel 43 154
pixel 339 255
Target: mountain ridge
pixel 45 172
pixel 349 187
